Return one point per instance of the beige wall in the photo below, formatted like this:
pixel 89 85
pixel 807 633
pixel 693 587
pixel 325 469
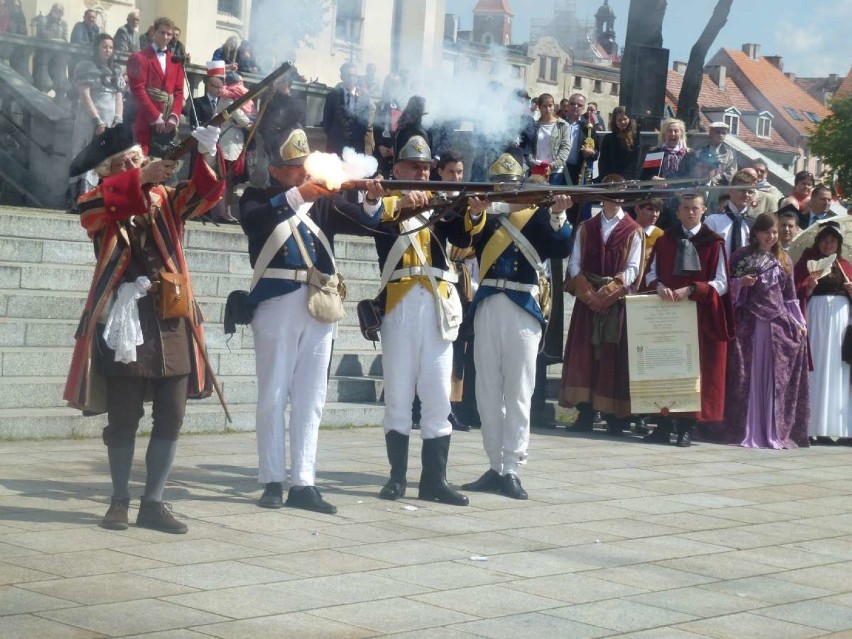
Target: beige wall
pixel 565 81
pixel 324 58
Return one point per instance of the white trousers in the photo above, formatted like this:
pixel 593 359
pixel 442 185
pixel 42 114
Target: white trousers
pixel 292 351
pixel 504 353
pixel 416 358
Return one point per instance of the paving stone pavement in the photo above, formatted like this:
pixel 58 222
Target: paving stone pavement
pixel 618 539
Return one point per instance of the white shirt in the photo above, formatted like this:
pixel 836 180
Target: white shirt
pixel 161 57
pixel 544 143
pixel 722 225
pixel 719 282
pixel 634 257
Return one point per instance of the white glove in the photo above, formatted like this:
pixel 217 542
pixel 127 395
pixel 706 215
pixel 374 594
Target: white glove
pixel 557 220
pixel 207 137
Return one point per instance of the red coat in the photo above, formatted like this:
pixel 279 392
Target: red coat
pixel 715 312
pixel 105 213
pixel 143 71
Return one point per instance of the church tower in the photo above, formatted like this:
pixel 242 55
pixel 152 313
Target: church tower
pixel 492 22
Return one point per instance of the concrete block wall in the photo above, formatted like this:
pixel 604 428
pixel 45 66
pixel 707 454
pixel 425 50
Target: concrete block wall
pixel 46 265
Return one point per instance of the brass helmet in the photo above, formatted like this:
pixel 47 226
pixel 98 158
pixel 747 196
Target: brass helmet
pixel 293 149
pixel 411 144
pixel 507 168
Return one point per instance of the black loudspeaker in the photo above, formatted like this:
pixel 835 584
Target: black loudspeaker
pixel 648 68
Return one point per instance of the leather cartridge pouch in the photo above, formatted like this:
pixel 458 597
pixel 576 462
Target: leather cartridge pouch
pixel 326 294
pixel 370 318
pixel 172 295
pixel 544 296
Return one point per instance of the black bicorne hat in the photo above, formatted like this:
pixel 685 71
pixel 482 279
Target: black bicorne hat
pixel 114 140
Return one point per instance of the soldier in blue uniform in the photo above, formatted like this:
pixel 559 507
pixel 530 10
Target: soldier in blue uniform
pixel 288 221
pixel 508 320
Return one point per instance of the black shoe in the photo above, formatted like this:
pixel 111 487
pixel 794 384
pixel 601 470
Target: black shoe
pixel 488 483
pixel 415 425
pixel 510 486
pixel 684 435
pixel 309 498
pixel 458 424
pixel 614 426
pixel 273 495
pixel 157 515
pixel 597 418
pixel 641 427
pixel 661 435
pixel 583 424
pixel 116 516
pixel 393 490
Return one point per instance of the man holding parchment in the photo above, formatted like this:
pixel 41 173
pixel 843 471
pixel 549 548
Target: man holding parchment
pixel 689 261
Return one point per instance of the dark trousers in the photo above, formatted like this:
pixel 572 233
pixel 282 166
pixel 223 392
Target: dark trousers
pixel 125 398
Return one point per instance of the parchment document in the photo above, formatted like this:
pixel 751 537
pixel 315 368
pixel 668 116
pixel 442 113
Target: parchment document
pixel 662 340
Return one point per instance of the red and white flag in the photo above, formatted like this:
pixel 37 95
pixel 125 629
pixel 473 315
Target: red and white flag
pixel 653 160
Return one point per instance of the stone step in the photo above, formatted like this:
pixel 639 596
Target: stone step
pixel 201 417
pixel 61 253
pixel 42 390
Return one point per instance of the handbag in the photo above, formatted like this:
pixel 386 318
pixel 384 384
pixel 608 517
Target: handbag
pixel 369 319
pixel 238 310
pixel 326 293
pixel 172 295
pixel 449 307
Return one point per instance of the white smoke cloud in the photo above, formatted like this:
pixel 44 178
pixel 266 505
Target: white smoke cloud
pixel 333 172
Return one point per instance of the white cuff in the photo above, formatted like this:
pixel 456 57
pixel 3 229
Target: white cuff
pixel 557 220
pixel 294 198
pixel 369 208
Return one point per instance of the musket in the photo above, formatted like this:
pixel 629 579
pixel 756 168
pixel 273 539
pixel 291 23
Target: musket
pixel 454 195
pixel 188 143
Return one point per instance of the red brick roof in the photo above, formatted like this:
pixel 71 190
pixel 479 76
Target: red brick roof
pixel 493 6
pixel 712 98
pixel 845 88
pixel 777 89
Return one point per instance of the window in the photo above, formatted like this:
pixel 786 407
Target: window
pixel 229 7
pixel 578 82
pixel 793 113
pixel 543 74
pixel 598 86
pixel 813 117
pixel 733 121
pixel 764 127
pixel 348 21
pixel 614 89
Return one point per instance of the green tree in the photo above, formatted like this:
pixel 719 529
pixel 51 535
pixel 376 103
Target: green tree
pixel 832 141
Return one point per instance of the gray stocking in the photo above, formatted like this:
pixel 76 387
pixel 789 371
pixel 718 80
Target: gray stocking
pixel 158 461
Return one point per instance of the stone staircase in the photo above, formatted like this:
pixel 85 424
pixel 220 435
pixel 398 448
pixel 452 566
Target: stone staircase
pixel 46 264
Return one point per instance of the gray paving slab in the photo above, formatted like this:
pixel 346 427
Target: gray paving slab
pixel 749 625
pixel 617 539
pixel 131 617
pixel 32 627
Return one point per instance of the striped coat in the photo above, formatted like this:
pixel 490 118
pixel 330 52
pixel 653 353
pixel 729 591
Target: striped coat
pixel 105 214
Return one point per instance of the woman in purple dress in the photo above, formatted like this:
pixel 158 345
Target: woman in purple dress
pixel 766 402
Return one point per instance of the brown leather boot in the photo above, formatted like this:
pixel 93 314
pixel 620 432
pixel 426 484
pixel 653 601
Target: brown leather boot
pixel 116 516
pixel 157 515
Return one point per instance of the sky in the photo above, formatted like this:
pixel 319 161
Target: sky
pixel 811 36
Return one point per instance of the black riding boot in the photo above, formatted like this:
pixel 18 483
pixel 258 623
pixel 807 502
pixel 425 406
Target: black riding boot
pixel 397 445
pixel 433 479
